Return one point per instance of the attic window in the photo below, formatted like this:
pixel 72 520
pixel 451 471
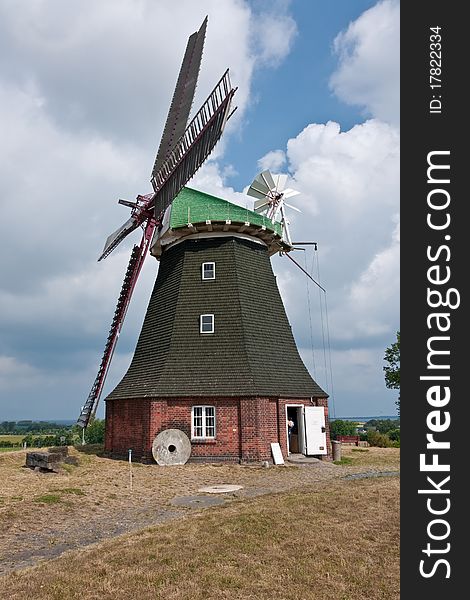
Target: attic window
pixel 208 271
pixel 206 324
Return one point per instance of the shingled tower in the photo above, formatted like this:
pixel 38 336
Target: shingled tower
pixel 216 357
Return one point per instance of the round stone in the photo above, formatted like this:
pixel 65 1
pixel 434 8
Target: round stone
pixel 222 488
pixel 171 447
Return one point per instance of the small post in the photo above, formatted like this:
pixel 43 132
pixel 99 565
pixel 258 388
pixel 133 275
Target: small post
pixel 336 450
pixel 83 436
pixel 130 468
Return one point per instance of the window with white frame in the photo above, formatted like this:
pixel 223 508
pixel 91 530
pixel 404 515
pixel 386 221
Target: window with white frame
pixel 206 324
pixel 208 270
pixel 203 422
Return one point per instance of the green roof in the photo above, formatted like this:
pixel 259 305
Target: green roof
pixel 192 206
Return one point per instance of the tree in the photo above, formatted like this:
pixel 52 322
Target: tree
pixel 95 431
pixel 392 370
pixel 340 427
pixel 383 425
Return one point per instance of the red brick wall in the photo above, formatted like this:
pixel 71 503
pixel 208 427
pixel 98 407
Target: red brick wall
pixel 245 427
pixel 127 427
pixel 177 415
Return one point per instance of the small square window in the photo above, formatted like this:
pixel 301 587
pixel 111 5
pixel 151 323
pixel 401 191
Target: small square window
pixel 206 324
pixel 208 271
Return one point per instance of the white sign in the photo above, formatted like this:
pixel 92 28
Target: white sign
pixel 277 453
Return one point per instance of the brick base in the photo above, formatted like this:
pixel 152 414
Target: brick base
pixel 245 427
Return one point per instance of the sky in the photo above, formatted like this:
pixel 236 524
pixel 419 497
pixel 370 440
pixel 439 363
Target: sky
pixel 84 93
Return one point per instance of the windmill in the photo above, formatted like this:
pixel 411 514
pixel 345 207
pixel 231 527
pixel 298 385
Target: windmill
pixel 271 193
pixel 183 149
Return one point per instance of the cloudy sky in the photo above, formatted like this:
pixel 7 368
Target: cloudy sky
pixel 84 92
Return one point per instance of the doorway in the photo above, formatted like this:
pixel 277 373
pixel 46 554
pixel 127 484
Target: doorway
pixel 308 435
pixel 296 440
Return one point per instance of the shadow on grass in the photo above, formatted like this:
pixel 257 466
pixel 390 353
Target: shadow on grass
pixel 96 449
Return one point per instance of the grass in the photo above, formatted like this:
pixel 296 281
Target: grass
pixel 339 542
pixel 375 457
pixel 47 499
pixel 107 505
pixel 69 468
pixel 345 460
pixel 75 491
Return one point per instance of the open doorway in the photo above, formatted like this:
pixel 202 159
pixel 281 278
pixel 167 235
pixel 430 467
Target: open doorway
pixel 308 434
pixel 296 439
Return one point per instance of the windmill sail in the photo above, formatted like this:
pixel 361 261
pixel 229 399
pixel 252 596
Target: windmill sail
pixel 182 97
pixel 133 268
pixel 117 236
pixel 270 193
pixel 194 146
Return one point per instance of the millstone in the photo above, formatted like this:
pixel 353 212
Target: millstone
pixel 171 447
pixel 220 489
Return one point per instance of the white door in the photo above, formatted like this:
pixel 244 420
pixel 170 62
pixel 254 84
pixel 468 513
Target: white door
pixel 315 430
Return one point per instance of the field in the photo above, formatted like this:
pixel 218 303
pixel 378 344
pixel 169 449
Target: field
pixel 11 438
pixel 15 439
pixel 304 531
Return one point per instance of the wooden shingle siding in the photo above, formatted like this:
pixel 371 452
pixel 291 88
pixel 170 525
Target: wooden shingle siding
pixel 252 351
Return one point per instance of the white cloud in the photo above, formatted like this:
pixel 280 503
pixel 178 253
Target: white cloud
pixel 274 161
pixel 369 62
pixel 274 34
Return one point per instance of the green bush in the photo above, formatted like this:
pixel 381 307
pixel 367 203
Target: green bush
pixel 9 444
pixel 381 440
pixel 394 435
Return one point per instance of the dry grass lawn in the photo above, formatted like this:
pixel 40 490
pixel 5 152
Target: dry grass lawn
pixel 301 532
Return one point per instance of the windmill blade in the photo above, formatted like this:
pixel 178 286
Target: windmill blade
pixel 194 146
pixel 290 193
pixel 280 181
pixel 116 238
pixel 268 180
pixel 260 184
pixel 260 204
pixel 134 267
pixel 182 97
pixel 293 207
pixel 256 192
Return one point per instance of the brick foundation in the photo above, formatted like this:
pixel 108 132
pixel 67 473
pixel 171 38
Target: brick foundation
pixel 245 427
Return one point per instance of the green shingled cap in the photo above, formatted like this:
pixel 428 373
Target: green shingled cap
pixel 192 206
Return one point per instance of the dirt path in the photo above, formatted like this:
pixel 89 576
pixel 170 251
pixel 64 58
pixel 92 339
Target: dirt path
pixel 43 515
